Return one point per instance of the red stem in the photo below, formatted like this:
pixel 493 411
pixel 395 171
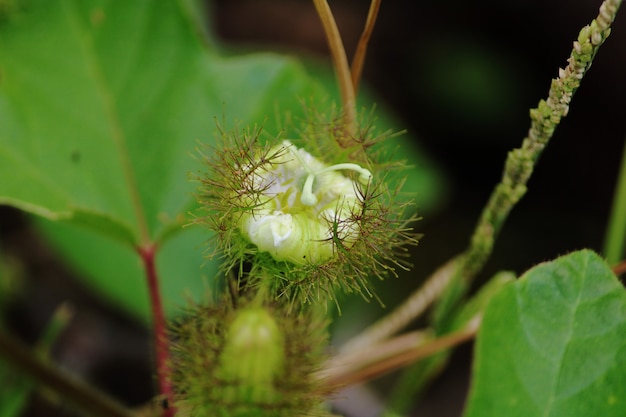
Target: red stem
pixel 620 268
pixel 161 342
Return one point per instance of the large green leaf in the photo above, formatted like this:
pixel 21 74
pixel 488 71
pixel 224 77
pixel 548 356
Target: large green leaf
pixel 102 104
pixel 554 344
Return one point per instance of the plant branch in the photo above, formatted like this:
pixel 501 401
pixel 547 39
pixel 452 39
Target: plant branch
pixel 408 311
pixel 342 69
pixel 162 356
pixel 616 229
pixel 518 169
pixel 359 55
pixel 347 362
pixel 544 120
pixel 391 355
pixel 93 402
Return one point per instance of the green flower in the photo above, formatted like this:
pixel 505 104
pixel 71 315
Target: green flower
pixel 304 220
pixel 302 199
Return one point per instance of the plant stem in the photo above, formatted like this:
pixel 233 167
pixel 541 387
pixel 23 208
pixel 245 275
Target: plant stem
pixel 161 343
pixel 616 229
pixel 375 366
pixel 408 311
pixel 342 69
pixel 93 402
pixel 361 49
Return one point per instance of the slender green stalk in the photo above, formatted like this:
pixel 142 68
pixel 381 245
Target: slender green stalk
pixel 518 169
pixel 59 321
pixel 615 240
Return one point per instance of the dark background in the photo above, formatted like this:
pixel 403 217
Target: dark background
pixel 461 77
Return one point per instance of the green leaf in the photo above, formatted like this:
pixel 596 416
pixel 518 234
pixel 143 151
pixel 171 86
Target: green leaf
pixel 554 344
pixel 102 105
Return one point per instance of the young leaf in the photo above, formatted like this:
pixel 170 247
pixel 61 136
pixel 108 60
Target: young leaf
pixel 554 344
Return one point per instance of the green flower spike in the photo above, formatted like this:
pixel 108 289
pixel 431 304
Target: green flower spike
pixel 298 225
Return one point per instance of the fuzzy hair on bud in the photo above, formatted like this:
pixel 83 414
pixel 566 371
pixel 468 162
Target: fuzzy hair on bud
pixel 247 360
pixel 304 216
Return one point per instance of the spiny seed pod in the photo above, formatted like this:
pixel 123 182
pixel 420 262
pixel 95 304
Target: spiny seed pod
pixel 251 361
pixel 309 223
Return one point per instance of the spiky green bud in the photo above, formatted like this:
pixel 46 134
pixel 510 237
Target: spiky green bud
pixel 253 357
pixel 304 220
pixel 247 360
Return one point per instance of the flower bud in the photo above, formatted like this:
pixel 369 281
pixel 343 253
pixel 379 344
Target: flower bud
pixel 253 357
pixel 247 360
pixel 300 227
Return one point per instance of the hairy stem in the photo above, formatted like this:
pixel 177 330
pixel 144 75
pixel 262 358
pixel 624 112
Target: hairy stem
pixel 616 229
pixel 93 402
pixel 161 343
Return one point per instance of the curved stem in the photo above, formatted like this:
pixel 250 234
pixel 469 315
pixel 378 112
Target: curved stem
pixel 408 311
pixel 361 49
pixel 413 349
pixel 162 356
pixel 342 68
